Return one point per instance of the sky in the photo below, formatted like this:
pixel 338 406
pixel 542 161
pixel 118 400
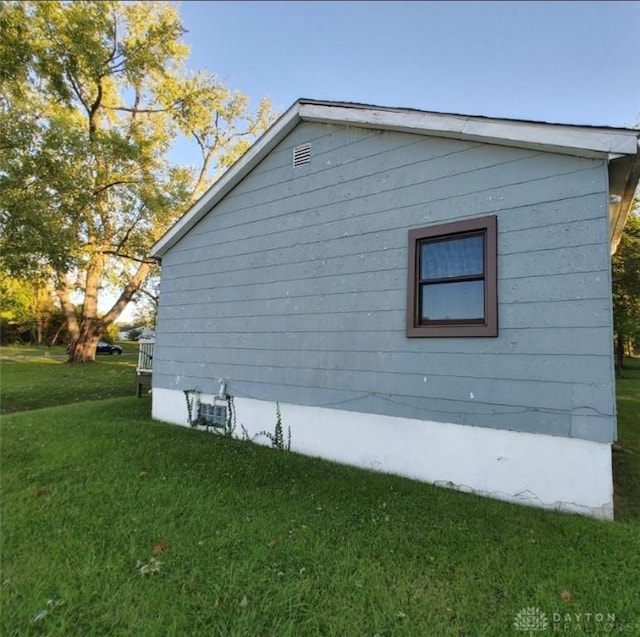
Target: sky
pixel 565 62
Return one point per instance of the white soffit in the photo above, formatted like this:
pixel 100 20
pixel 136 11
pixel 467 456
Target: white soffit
pixel 583 141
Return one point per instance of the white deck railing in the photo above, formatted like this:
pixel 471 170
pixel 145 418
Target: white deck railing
pixel 145 355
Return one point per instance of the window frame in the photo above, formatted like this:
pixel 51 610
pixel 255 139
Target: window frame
pixel 488 326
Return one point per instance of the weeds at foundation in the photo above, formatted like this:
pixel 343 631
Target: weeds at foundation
pixel 212 418
pixel 192 396
pixel 231 417
pixel 277 437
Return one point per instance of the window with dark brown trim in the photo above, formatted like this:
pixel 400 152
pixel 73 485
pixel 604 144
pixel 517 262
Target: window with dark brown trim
pixel 452 289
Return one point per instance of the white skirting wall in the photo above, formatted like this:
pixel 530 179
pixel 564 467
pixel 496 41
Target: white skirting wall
pixel 553 472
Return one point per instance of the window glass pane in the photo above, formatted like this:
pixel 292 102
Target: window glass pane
pixel 452 258
pixel 451 301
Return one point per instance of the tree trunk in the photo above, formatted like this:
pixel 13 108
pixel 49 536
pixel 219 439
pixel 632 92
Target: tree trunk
pixel 63 290
pixel 56 335
pixel 39 331
pixel 83 349
pixel 619 353
pixel 86 330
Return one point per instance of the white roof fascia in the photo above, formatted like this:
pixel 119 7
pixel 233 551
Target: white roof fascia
pixel 279 129
pixel 573 140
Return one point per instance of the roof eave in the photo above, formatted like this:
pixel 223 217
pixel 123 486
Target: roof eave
pixel 575 140
pixel 624 174
pixel 606 143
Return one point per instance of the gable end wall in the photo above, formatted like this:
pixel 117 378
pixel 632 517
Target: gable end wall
pixel 294 288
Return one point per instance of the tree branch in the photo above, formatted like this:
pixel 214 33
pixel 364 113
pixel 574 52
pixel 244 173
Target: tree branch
pixel 120 182
pixel 117 253
pixel 118 67
pixel 64 295
pixel 76 90
pixel 201 178
pixel 114 48
pixel 134 112
pixel 200 142
pixel 128 109
pixel 153 297
pixel 128 232
pixel 127 294
pixel 94 109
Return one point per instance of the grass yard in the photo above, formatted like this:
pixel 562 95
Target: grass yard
pixel 626 465
pixel 34 377
pixel 113 524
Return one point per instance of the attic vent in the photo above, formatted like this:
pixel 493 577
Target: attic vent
pixel 302 155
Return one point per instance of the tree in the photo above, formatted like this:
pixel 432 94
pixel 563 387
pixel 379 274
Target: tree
pixel 147 302
pixel 92 97
pixel 625 267
pixel 28 310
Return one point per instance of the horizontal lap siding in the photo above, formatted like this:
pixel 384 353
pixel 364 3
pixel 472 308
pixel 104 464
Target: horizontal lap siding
pixel 294 289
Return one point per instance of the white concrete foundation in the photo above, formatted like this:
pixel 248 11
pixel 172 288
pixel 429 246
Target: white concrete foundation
pixel 553 472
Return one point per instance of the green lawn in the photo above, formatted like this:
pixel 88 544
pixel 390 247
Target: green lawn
pixel 33 377
pixel 250 541
pixel 626 464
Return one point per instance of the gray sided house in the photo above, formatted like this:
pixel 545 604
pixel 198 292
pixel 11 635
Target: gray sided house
pixel 420 293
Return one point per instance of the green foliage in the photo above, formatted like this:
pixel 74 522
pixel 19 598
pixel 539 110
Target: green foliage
pixel 232 421
pixel 37 377
pixel 626 461
pixel 92 97
pixel 192 396
pixel 15 300
pixel 277 437
pixel 625 267
pixel 28 311
pixel 111 333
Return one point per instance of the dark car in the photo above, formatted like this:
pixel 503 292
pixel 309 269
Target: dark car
pixel 107 348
